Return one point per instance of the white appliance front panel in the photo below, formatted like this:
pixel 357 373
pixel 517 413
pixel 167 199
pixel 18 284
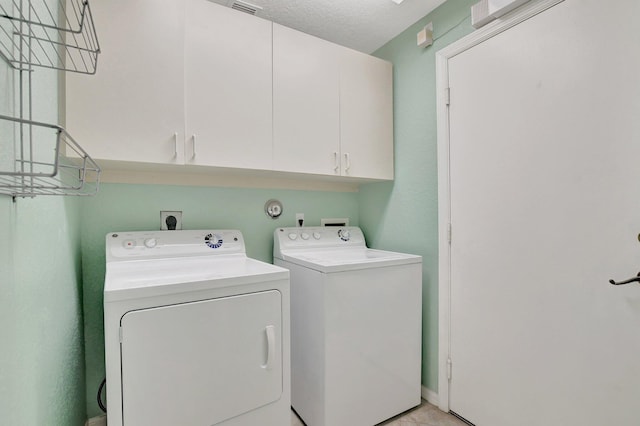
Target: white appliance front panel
pixel 226 352
pixel 355 343
pixel 373 323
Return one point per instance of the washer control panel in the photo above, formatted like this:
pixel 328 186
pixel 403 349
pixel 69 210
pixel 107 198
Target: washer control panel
pixel 159 244
pixel 313 237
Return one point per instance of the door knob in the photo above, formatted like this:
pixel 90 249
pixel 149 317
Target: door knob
pixel 635 279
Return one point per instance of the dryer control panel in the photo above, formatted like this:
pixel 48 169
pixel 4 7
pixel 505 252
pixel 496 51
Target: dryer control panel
pixel 316 237
pixel 161 244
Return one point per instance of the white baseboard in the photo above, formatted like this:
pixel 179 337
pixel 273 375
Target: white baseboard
pixel 430 396
pixel 97 421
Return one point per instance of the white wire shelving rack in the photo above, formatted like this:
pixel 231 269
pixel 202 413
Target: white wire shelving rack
pixel 38 158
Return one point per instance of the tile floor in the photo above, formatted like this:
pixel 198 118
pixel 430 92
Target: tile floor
pixel 423 415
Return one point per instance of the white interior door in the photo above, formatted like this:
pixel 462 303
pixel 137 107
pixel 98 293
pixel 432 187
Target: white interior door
pixel 545 209
pixel 201 363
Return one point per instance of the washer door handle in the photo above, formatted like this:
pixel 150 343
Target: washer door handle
pixel 271 347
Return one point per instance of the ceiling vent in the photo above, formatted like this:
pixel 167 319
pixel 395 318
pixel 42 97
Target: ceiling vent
pixel 245 7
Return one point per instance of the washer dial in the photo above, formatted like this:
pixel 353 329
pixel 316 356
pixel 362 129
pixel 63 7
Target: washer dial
pixel 214 241
pixel 150 242
pixel 344 234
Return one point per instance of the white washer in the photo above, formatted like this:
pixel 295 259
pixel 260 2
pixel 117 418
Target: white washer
pixel 356 320
pixel 196 333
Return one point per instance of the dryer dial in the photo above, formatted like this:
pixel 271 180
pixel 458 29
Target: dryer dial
pixel 214 241
pixel 344 234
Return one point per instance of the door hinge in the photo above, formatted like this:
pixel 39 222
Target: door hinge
pixel 449 368
pixel 447 96
pixel 449 233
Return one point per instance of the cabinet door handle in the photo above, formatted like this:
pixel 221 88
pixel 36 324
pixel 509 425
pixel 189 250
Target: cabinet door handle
pixel 347 162
pixel 193 138
pixel 175 144
pixel 336 164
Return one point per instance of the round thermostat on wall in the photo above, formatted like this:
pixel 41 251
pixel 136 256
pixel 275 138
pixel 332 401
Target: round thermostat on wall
pixel 273 209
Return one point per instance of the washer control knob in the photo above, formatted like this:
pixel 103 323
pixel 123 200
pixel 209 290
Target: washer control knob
pixel 293 236
pixel 344 234
pixel 150 242
pixel 304 236
pixel 316 235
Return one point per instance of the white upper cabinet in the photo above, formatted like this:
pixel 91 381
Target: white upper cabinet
pixel 192 82
pixel 366 116
pixel 332 108
pixel 306 104
pixel 228 78
pixel 132 108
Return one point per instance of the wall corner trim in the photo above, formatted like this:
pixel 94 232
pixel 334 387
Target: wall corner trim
pixel 430 396
pixel 97 421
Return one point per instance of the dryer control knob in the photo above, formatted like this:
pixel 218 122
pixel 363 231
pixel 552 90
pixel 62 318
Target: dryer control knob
pixel 344 234
pixel 304 236
pixel 293 236
pixel 213 241
pixel 150 242
pixel 316 235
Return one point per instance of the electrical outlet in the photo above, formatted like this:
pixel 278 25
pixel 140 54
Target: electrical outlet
pixel 166 216
pixel 299 219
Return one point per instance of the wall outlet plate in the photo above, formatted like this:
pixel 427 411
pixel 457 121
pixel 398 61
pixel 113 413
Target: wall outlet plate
pixel 164 214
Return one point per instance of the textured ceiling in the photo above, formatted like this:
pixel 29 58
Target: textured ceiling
pixel 363 25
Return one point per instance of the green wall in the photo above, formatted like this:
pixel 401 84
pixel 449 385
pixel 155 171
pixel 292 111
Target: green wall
pixel 44 352
pixel 41 334
pixel 403 215
pixel 119 207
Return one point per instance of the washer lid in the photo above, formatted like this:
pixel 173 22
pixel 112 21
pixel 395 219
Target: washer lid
pixel 337 260
pixel 156 277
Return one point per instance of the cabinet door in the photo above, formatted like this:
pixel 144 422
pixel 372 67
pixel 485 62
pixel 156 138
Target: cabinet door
pixel 201 363
pixel 366 116
pixel 132 107
pixel 228 92
pixel 306 130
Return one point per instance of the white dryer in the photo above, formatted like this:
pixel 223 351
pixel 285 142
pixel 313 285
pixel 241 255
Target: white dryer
pixel 196 333
pixel 356 320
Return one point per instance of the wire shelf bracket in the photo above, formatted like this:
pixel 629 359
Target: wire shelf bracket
pixel 35 34
pixel 58 167
pixel 37 158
